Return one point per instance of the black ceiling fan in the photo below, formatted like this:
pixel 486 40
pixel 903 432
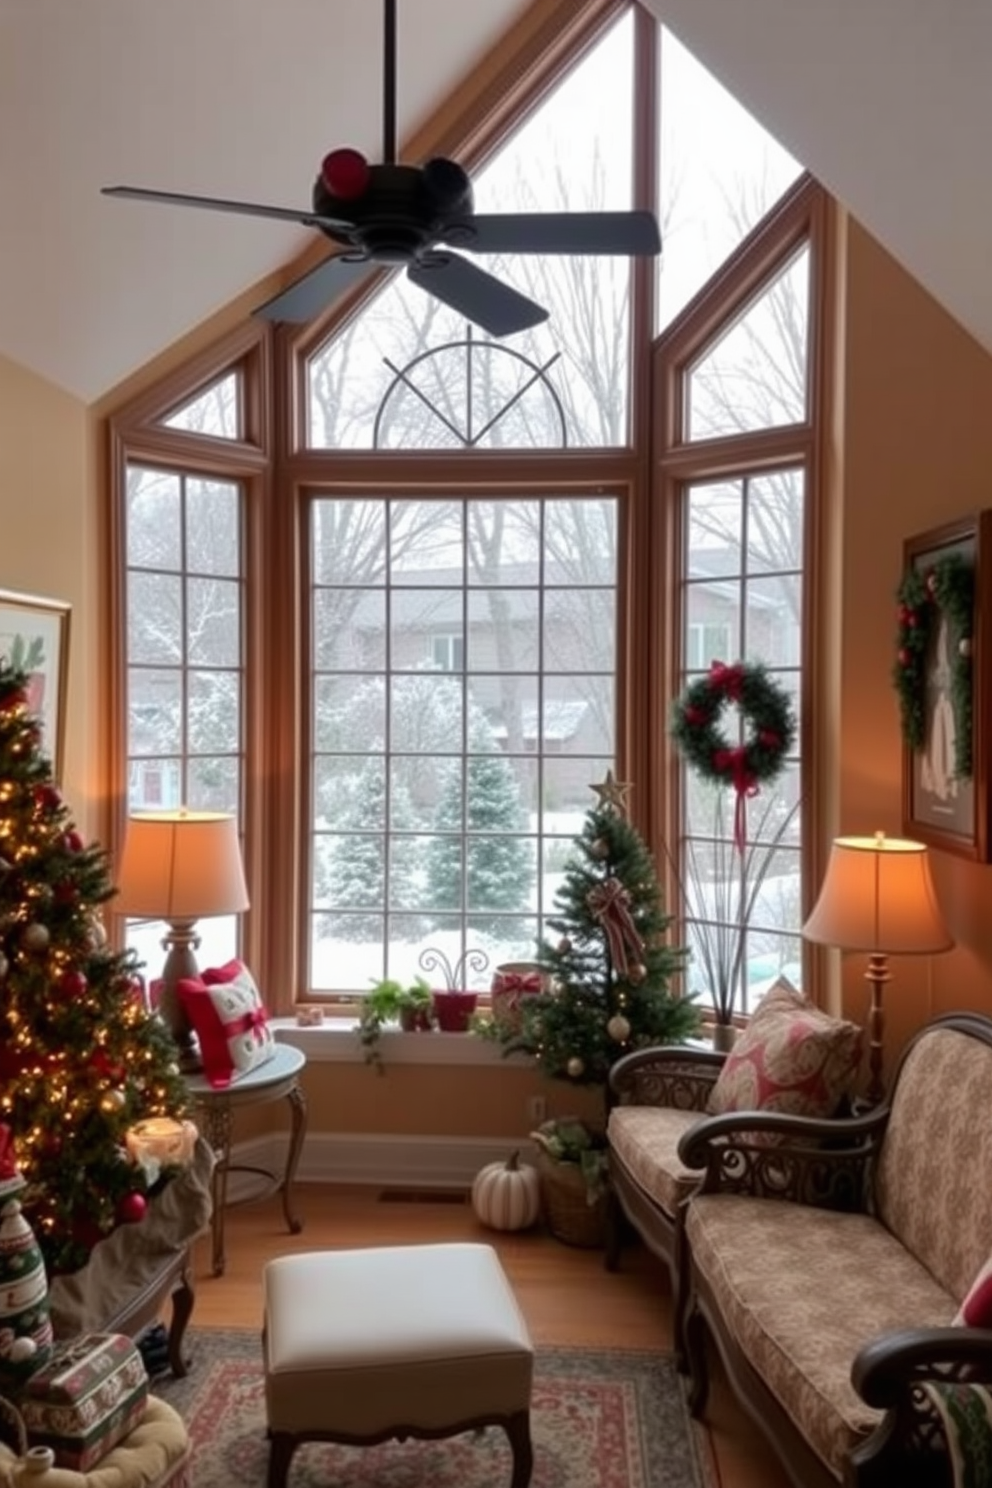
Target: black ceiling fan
pixel 417 215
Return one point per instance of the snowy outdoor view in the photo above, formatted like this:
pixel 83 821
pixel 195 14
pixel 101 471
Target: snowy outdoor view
pixel 463 647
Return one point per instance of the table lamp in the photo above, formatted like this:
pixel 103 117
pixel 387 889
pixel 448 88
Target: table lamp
pixel 180 866
pixel 878 896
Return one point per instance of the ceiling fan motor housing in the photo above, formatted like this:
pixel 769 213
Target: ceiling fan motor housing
pixel 401 211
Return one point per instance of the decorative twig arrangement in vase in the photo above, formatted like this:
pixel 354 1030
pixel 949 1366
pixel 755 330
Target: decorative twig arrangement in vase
pixel 723 870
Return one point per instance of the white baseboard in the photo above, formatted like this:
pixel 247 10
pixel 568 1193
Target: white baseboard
pixel 379 1161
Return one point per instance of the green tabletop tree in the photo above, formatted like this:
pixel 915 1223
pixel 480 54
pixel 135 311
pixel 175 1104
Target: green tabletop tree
pixel 609 966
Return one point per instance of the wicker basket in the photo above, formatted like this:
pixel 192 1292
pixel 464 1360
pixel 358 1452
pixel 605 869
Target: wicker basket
pixel 565 1204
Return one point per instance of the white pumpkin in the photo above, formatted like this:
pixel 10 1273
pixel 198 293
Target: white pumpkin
pixel 507 1196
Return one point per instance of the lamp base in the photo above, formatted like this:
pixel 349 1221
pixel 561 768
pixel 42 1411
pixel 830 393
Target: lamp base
pixel 180 962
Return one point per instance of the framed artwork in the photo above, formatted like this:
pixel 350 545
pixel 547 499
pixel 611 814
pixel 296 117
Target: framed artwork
pixel 942 665
pixel 34 637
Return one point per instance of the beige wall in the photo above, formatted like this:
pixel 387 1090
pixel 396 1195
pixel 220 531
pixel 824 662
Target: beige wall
pixel 52 546
pixel 917 424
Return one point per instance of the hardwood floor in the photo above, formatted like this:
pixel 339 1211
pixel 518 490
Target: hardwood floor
pixel 566 1295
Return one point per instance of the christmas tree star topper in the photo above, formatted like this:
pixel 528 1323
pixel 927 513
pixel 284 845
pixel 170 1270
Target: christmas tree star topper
pixel 612 793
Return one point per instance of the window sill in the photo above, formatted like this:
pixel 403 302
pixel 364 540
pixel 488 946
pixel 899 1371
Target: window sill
pixel 335 1042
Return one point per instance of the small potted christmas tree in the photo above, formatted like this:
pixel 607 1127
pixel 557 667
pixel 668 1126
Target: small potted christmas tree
pixel 608 971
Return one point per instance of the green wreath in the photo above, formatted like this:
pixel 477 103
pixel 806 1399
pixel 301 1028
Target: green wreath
pixel 764 705
pixel 948 587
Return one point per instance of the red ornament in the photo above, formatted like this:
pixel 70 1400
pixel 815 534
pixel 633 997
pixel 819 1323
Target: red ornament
pixel 345 173
pixel 47 798
pixel 132 1208
pixel 911 619
pixel 769 738
pixel 903 657
pixel 72 983
pixel 695 717
pixel 66 892
pixel 11 701
pixel 72 842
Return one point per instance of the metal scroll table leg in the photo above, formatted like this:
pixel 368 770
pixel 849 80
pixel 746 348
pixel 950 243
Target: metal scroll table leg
pixel 298 1130
pixel 218 1124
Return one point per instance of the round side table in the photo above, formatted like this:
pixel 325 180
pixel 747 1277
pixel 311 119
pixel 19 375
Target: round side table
pixel 277 1079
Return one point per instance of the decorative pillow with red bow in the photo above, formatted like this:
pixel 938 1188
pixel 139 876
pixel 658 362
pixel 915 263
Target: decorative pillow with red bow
pixel 226 1011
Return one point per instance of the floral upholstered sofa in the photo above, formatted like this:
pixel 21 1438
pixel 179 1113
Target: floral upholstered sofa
pixel 842 1269
pixel 792 1057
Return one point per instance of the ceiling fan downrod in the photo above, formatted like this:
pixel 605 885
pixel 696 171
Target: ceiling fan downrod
pixel 389 83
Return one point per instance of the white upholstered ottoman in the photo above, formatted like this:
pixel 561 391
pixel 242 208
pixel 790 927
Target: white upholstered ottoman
pixel 405 1341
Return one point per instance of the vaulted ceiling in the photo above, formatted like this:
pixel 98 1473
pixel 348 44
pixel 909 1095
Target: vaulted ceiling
pixel 886 102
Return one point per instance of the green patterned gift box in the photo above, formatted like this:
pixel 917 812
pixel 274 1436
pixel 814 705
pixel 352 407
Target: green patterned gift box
pixel 85 1399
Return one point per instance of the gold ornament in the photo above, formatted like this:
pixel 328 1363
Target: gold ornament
pixel 618 1028
pixel 575 1067
pixel 35 937
pixel 601 848
pixel 113 1100
pixel 637 973
pixel 564 946
pixel 964 646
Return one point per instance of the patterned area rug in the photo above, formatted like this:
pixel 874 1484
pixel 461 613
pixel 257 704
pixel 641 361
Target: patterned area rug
pixel 601 1419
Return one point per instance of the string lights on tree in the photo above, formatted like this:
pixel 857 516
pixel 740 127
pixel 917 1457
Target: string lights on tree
pixel 81 1058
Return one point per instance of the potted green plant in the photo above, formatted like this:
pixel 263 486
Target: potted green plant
pixel 572 1160
pixel 390 1001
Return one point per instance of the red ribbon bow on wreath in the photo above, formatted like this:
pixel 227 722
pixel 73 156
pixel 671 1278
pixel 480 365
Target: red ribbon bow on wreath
pixel 734 763
pixel 728 679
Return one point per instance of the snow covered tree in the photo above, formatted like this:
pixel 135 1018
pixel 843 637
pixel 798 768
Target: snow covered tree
pixel 610 967
pixel 351 872
pixel 498 870
pixel 81 1058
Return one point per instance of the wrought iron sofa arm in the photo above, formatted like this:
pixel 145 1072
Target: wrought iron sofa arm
pixel 888 1368
pixel 768 1154
pixel 666 1075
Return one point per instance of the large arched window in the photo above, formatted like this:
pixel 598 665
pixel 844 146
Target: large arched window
pixel 402 641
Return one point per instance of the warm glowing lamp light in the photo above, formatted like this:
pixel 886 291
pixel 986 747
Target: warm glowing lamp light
pixel 180 866
pixel 878 896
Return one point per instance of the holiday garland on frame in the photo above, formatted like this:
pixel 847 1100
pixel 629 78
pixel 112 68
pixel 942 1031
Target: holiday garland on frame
pixel 945 589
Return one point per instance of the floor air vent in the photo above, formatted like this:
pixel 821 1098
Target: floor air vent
pixel 422 1196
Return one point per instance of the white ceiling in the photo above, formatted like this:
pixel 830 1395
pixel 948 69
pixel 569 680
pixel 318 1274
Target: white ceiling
pixel 886 101
pixel 237 98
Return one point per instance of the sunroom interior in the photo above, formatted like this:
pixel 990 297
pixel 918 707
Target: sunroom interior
pixel 777 372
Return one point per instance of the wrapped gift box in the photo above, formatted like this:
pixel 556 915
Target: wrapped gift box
pixel 86 1398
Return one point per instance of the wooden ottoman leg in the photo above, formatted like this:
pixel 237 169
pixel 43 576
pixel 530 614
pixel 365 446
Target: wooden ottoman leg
pixel 518 1430
pixel 282 1445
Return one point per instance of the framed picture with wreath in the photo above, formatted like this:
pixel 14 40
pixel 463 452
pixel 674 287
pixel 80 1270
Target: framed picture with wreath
pixel 943 651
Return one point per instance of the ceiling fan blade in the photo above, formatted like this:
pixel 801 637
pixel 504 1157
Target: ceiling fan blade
pixel 476 294
pixel 221 204
pixel 315 291
pixel 557 232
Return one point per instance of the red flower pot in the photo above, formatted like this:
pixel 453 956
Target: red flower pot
pixel 453 1010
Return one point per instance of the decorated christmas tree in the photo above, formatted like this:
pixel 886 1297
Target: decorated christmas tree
pixel 81 1059
pixel 609 969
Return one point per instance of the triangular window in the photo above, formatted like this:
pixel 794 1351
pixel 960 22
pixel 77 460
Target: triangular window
pixel 215 411
pixel 756 375
pixel 719 173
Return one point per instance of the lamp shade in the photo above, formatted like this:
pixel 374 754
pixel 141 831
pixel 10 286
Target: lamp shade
pixel 878 896
pixel 181 865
